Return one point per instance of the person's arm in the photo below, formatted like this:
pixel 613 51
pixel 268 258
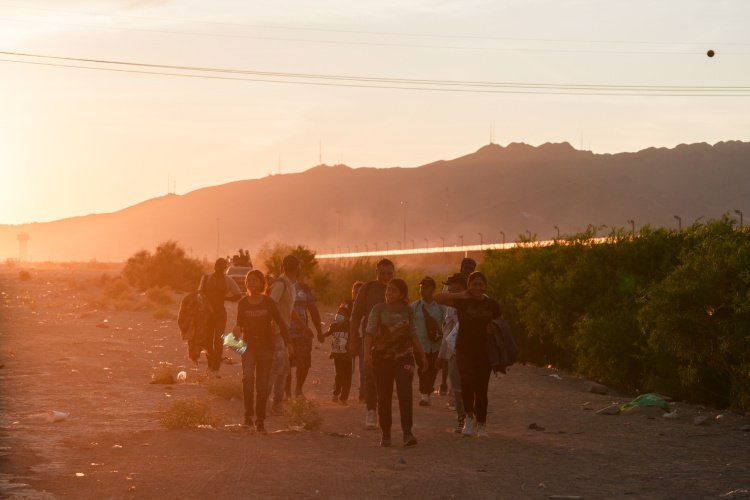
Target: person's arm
pixel 312 308
pixel 233 290
pixel 276 290
pixel 279 322
pixel 237 330
pixel 417 345
pixel 355 320
pixel 373 323
pixel 447 298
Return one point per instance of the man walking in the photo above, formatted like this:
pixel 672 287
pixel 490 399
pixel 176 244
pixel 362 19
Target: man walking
pixel 218 287
pixel 282 292
pixel 371 293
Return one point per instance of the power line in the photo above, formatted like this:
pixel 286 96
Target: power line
pixel 381 82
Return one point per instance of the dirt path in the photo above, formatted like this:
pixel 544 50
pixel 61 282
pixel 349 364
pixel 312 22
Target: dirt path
pixel 96 366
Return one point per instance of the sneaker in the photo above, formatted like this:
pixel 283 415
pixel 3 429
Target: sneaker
pixel 460 424
pixel 298 394
pixel 425 400
pixel 343 402
pixel 468 429
pixel 443 390
pixel 482 430
pixel 335 398
pixel 371 420
pixel 409 440
pixel 248 422
pixel 385 442
pixel 259 427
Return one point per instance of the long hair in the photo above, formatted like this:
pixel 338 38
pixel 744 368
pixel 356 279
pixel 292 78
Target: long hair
pixel 402 287
pixel 260 276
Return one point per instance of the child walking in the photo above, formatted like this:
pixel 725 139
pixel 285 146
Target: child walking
pixel 342 359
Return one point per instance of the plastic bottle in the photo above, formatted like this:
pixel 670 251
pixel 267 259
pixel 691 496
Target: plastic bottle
pixel 237 345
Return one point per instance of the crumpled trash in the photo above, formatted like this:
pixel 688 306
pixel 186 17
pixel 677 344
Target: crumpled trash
pixel 649 399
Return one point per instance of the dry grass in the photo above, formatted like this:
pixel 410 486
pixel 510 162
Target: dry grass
pixel 225 388
pixel 189 412
pixel 304 413
pixel 24 275
pixel 160 295
pixel 163 374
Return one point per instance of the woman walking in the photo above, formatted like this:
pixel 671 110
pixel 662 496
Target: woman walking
pixel 256 313
pixel 390 345
pixel 475 311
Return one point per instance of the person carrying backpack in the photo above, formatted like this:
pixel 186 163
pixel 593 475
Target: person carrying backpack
pixel 371 293
pixel 428 320
pixel 218 287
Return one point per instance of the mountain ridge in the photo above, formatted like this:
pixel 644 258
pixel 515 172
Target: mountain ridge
pixel 515 190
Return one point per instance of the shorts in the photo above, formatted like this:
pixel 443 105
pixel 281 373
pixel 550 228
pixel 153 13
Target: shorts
pixel 302 356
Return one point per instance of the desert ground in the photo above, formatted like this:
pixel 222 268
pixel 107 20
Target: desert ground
pixel 62 352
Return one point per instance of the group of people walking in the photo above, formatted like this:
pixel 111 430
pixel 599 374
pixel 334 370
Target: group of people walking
pixel 392 337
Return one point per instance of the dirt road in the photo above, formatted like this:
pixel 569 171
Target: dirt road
pixel 96 365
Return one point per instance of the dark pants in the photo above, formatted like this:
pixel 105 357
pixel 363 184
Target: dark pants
pixel 475 371
pixel 367 380
pixel 218 324
pixel 301 362
pixel 388 371
pixel 427 378
pixel 256 371
pixel 343 383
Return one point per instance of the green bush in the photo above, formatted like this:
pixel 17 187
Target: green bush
pixel 188 412
pixel 664 311
pixel 226 388
pixel 167 267
pixel 304 413
pixel 160 295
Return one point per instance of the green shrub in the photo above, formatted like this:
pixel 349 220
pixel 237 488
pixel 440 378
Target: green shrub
pixel 665 311
pixel 116 288
pixel 304 413
pixel 160 295
pixel 225 388
pixel 188 412
pixel 167 267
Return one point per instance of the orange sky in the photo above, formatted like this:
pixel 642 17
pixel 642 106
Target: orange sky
pixel 75 141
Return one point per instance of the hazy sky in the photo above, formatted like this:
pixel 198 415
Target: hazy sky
pixel 75 140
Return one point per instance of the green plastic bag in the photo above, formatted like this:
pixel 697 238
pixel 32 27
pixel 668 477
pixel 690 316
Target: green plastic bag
pixel 649 399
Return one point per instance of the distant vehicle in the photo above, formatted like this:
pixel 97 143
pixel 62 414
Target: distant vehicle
pixel 238 273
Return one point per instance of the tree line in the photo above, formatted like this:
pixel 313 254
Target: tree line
pixel 664 311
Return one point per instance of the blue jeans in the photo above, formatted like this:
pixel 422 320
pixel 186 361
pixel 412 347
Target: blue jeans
pixel 256 369
pixel 279 374
pixel 455 379
pixel 388 371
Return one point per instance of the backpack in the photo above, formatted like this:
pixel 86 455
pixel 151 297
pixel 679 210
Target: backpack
pixel 434 330
pixel 502 348
pixel 193 315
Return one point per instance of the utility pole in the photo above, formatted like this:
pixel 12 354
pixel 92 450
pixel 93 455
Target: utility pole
pixel 404 204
